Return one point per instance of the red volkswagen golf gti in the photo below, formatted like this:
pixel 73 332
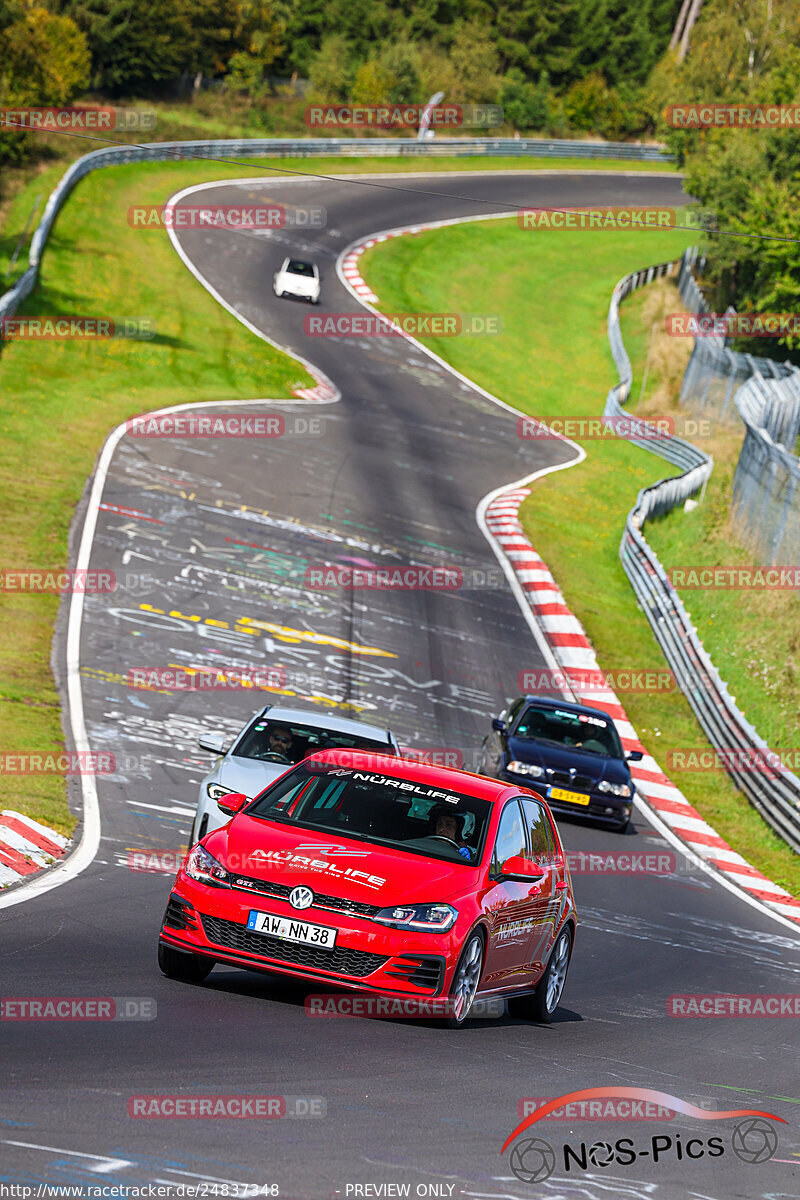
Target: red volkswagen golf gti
pixel 375 873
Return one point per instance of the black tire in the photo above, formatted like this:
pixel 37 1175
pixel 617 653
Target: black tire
pixel 624 827
pixel 188 968
pixel 541 1005
pixel 466 978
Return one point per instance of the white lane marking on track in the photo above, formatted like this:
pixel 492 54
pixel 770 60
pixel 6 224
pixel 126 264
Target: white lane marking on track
pixel 184 812
pixel 87 848
pixel 104 1163
pixel 195 1175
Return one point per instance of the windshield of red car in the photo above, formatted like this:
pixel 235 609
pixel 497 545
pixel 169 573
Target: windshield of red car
pixel 374 807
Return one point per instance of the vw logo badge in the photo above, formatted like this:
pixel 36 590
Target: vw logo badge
pixel 301 897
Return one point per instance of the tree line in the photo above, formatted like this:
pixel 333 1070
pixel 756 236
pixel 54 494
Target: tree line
pixel 566 68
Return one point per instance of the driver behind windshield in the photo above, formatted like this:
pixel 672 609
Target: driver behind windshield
pixel 450 825
pixel 279 741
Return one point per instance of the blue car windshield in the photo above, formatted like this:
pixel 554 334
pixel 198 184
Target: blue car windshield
pixel 572 730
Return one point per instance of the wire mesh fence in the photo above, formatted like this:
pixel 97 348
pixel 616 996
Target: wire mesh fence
pixel 765 505
pixel 770 408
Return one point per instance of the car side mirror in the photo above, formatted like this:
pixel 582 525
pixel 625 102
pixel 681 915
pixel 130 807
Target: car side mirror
pixel 213 742
pixel 232 803
pixel 499 724
pixel 521 870
pixel 634 756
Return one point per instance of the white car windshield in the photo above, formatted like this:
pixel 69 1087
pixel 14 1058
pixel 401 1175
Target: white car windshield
pixel 283 741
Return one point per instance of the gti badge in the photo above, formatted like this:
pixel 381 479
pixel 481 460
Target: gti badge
pixel 301 897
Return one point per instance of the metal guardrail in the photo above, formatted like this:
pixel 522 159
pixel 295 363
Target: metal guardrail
pixel 774 792
pixel 306 148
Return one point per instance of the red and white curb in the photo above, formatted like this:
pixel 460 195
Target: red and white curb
pixel 352 274
pixel 576 657
pixel 26 847
pixel 573 652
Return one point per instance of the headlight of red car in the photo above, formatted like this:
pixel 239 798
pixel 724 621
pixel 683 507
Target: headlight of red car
pixel 203 867
pixel 430 918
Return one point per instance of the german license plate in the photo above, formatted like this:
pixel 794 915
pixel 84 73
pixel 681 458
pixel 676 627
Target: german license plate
pixel 570 797
pixel 291 931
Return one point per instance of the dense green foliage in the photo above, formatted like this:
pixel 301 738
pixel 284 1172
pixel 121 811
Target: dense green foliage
pixel 470 48
pixel 747 53
pixel 566 68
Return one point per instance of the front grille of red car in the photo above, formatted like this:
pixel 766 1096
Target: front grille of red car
pixel 340 960
pixel 335 903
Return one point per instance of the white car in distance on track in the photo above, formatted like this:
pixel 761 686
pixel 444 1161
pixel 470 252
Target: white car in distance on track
pixel 297 278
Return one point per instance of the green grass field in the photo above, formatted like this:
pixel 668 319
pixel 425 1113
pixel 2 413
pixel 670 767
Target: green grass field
pixel 552 291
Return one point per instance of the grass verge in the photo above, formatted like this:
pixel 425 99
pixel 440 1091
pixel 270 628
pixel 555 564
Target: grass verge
pixel 553 360
pixel 753 638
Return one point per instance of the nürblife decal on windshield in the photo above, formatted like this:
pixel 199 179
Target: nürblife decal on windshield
pixel 404 785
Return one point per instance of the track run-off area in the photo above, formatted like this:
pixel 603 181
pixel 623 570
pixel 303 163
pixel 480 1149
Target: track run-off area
pixel 387 463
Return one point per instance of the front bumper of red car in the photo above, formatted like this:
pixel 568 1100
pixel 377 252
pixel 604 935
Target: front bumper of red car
pixel 366 956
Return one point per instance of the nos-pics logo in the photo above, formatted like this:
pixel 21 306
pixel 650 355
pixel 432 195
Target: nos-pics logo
pixel 533 1159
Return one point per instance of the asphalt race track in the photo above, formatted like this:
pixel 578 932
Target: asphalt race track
pixel 210 542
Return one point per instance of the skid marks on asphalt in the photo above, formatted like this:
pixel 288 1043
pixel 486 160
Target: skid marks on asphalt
pixel 706 937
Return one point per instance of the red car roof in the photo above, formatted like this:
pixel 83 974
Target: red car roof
pixel 418 772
